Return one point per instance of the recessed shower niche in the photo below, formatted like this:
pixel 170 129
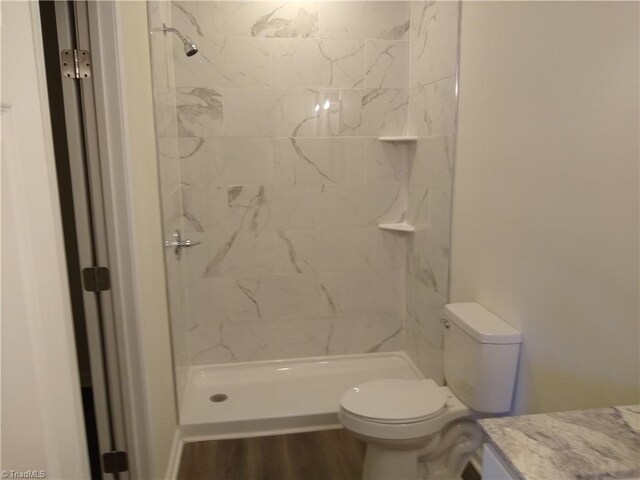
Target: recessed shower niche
pixel 324 232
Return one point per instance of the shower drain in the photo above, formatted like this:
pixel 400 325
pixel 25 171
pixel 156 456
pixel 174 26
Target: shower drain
pixel 218 397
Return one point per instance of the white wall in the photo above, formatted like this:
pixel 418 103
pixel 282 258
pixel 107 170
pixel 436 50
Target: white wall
pixel 546 202
pixel 151 298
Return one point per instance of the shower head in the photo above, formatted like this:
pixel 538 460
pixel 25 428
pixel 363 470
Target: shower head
pixel 190 48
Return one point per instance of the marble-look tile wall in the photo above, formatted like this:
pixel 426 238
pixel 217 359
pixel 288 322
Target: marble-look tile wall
pixel 270 159
pixel 432 106
pixel 281 177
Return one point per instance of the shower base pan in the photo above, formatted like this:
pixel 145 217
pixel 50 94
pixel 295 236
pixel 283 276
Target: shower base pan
pixel 263 398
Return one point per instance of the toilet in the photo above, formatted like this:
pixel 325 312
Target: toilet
pixel 416 429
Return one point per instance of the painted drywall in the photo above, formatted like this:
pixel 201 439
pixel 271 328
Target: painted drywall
pixel 151 299
pixel 546 195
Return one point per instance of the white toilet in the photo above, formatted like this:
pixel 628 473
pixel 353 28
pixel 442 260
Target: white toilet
pixel 416 429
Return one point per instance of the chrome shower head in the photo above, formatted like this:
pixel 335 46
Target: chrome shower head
pixel 190 48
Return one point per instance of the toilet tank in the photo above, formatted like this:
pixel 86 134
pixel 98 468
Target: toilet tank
pixel 480 357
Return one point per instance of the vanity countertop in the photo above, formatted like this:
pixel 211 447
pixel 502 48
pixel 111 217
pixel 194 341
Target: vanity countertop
pixel 603 443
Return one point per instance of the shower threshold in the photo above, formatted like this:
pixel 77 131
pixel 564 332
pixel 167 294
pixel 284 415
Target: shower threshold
pixel 263 398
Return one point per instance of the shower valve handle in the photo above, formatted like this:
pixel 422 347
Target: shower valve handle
pixel 178 243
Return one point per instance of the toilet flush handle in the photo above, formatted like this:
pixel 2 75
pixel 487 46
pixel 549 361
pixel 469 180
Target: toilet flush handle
pixel 445 323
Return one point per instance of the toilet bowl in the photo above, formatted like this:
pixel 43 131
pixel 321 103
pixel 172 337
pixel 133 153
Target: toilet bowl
pixel 416 429
pixel 402 423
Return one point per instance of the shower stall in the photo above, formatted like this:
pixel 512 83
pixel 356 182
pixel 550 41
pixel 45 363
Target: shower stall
pixel 306 156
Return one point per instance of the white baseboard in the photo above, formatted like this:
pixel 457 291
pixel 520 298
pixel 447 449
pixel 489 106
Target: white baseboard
pixel 174 456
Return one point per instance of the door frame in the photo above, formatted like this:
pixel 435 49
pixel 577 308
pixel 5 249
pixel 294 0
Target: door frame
pixel 89 244
pixel 145 432
pixel 111 145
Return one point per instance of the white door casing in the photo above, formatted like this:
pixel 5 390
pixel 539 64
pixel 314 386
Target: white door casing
pixel 42 421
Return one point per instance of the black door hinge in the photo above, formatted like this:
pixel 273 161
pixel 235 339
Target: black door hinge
pixel 96 279
pixel 115 462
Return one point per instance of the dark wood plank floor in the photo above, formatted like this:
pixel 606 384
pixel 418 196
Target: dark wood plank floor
pixel 325 455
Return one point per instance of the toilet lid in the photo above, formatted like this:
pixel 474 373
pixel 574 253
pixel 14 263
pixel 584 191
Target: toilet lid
pixel 395 400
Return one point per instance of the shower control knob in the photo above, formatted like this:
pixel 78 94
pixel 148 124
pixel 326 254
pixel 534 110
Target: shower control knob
pixel 178 243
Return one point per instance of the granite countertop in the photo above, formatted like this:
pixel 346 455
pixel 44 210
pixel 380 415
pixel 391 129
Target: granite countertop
pixel 601 443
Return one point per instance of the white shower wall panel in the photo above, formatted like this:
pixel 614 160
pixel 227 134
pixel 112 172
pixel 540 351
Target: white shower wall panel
pixel 270 158
pixel 282 179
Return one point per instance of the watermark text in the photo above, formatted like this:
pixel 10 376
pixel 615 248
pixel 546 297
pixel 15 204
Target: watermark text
pixel 23 474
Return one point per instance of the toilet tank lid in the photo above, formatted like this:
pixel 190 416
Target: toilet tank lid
pixel 481 324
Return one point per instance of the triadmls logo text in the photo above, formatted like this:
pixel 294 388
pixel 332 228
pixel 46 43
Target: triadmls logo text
pixel 24 474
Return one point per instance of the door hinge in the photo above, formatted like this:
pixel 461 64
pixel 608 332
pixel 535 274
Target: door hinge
pixel 115 462
pixel 96 279
pixel 75 63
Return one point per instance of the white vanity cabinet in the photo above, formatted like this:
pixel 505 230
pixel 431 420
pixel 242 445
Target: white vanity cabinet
pixel 494 467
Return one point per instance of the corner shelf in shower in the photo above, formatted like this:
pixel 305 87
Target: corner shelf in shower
pixel 397 227
pixel 398 139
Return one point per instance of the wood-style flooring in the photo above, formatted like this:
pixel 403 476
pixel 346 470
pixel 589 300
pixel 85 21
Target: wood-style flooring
pixel 324 455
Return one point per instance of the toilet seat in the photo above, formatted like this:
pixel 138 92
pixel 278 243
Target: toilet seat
pixel 394 401
pixel 404 429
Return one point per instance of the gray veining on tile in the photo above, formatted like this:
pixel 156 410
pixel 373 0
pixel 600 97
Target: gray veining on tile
pixel 270 19
pixel 588 444
pixel 199 112
pixel 364 19
pixel 433 38
pixel 387 64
